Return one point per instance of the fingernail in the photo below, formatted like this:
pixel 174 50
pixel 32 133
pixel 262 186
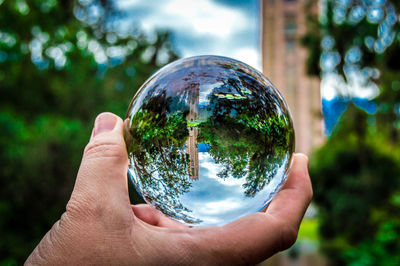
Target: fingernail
pixel 305 157
pixel 104 122
pixel 302 155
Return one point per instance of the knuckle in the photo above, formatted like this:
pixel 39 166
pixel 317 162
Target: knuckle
pixel 84 209
pixel 98 149
pixel 288 236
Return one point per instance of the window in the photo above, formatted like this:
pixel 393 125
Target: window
pixel 290 25
pixel 290 45
pixel 290 31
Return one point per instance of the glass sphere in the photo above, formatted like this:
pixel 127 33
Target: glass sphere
pixel 209 139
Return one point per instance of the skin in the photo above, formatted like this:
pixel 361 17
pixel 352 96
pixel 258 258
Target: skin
pixel 101 227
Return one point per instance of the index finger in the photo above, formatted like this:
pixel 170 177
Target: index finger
pixel 292 200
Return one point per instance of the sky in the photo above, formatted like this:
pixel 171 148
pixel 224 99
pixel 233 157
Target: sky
pixel 229 28
pixel 218 27
pixel 218 201
pixel 232 28
pixel 215 200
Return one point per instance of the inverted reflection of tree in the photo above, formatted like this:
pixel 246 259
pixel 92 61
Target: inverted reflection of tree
pixel 158 138
pixel 248 138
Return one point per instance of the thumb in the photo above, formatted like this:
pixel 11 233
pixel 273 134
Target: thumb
pixel 102 176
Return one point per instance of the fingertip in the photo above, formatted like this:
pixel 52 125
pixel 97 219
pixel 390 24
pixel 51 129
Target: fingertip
pixel 107 114
pixel 301 158
pixel 298 184
pixel 299 167
pixel 104 157
pixel 299 177
pixel 105 122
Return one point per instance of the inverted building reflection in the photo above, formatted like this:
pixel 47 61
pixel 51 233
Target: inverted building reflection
pixel 192 148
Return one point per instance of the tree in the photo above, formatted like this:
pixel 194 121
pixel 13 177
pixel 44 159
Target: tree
pixel 355 42
pixel 356 184
pixel 60 65
pixel 356 172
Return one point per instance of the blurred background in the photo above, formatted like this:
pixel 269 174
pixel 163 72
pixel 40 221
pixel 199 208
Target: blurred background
pixel 337 63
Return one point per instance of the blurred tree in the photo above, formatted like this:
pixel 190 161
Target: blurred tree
pixel 356 181
pixel 61 63
pixel 357 42
pixel 356 173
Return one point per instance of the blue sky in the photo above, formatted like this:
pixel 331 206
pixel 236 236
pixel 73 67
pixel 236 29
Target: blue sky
pixel 220 27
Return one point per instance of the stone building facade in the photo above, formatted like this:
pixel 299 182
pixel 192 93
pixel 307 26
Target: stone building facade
pixel 283 62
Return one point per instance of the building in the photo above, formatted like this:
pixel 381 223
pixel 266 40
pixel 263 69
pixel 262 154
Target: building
pixel 283 62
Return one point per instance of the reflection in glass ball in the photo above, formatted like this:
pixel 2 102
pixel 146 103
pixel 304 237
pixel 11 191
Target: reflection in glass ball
pixel 209 140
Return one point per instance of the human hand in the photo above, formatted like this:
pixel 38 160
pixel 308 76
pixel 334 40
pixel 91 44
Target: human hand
pixel 101 227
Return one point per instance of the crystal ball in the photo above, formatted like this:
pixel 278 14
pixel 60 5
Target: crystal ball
pixel 209 139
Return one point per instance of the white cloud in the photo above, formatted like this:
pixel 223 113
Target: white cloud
pixel 205 90
pixel 249 55
pixel 205 18
pixel 333 85
pixel 199 27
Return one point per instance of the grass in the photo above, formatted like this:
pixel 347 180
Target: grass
pixel 309 229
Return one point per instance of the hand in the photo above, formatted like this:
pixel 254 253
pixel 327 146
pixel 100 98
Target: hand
pixel 100 227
